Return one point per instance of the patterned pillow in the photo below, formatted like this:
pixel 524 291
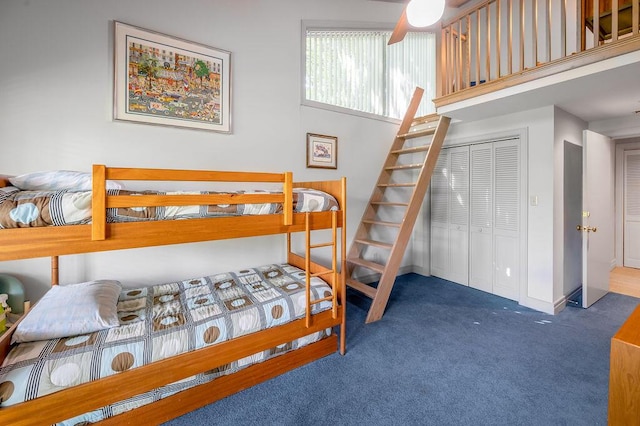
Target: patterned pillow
pixel 312 200
pixel 71 310
pixel 6 192
pixel 57 180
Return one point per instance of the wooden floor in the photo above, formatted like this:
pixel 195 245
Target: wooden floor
pixel 625 281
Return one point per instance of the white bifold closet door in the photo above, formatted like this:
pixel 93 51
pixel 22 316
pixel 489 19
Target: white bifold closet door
pixel 632 209
pixel 450 216
pixel 494 231
pixel 475 207
pixel 481 220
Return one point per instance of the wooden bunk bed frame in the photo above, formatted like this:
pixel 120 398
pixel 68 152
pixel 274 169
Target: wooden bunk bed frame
pixel 101 236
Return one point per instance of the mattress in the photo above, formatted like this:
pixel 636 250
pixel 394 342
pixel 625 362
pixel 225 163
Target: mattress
pixel 162 321
pixel 22 209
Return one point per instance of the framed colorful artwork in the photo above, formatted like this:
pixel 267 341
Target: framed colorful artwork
pixel 322 151
pixel 165 80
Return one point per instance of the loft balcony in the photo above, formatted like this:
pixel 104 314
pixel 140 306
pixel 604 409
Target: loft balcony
pixel 501 56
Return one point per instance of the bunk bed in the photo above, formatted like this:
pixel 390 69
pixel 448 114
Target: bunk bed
pixel 327 324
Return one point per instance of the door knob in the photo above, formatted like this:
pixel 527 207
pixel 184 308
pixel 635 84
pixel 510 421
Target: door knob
pixel 586 228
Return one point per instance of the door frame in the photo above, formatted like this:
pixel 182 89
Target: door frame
pixel 572 208
pixel 621 147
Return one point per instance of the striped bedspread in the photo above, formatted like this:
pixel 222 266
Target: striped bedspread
pixel 21 209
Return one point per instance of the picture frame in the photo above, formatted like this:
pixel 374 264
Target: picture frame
pixel 164 80
pixel 322 151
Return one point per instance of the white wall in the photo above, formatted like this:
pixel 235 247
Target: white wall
pixel 56 82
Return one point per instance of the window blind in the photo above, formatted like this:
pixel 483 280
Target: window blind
pixel 356 69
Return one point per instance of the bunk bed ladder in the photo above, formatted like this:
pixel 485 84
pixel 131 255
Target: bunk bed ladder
pixel 388 197
pixel 333 271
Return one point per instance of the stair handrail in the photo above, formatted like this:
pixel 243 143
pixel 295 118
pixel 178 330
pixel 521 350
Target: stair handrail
pixel 494 39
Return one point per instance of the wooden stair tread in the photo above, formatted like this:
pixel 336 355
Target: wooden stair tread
pixel 418 133
pixel 411 150
pixel 404 167
pixel 396 185
pixel 363 288
pixel 367 264
pixel 382 223
pixel 374 243
pixel 389 203
pixel 429 118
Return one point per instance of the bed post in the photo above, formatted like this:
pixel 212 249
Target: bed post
pixel 288 198
pixel 98 202
pixel 343 266
pixel 55 276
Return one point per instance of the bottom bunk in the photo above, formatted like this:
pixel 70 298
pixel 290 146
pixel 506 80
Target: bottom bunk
pixel 175 347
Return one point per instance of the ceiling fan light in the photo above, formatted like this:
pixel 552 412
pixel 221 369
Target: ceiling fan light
pixel 422 13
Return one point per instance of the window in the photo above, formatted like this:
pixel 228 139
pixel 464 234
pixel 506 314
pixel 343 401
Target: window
pixel 357 71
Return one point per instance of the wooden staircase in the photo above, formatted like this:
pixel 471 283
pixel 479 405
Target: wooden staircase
pixel 390 193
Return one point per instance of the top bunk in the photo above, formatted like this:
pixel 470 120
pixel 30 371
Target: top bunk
pixel 270 212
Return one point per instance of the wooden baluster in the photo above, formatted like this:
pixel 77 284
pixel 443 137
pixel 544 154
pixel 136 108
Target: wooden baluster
pixel 468 40
pixel 534 17
pixel 510 37
pixel 478 47
pixel 488 53
pixel 596 23
pixel 548 29
pixel 614 20
pixel 459 82
pixel 635 11
pixel 522 33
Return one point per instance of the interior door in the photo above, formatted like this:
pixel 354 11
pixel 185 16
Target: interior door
pixel 597 216
pixel 631 243
pixel 459 215
pixel 440 217
pixel 481 218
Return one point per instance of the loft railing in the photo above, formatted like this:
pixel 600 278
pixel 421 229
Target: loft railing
pixel 497 39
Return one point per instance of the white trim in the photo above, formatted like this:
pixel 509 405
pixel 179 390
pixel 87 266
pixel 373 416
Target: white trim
pixel 341 110
pixel 546 307
pixel 486 137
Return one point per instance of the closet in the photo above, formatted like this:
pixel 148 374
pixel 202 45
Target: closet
pixel 450 215
pixel 476 216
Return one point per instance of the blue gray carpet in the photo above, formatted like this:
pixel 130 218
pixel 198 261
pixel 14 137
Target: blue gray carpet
pixel 444 354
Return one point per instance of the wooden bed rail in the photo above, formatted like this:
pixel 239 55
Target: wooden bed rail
pixel 101 201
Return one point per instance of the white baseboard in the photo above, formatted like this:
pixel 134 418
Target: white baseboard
pixel 535 304
pixel 546 307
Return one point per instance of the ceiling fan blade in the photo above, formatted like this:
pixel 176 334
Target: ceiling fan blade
pixel 401 28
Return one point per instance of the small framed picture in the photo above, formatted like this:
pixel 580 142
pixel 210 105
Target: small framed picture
pixel 322 151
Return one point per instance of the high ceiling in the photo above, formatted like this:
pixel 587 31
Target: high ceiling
pixel 609 90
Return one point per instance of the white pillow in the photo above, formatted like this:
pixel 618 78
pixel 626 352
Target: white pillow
pixel 70 310
pixel 56 180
